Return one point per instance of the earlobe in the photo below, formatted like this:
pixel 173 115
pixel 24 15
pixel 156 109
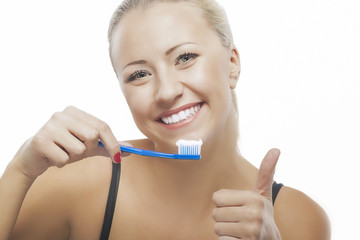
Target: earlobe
pixel 235 67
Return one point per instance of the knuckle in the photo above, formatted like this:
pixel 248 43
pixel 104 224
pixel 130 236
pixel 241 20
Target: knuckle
pixel 258 215
pixel 103 127
pixel 254 230
pixel 218 228
pixel 218 195
pixel 216 199
pixel 226 238
pixel 70 109
pixel 215 196
pixel 258 200
pixel 60 162
pixel 215 213
pixel 92 134
pixel 259 197
pixel 56 116
pixel 38 140
pixel 261 204
pixel 79 150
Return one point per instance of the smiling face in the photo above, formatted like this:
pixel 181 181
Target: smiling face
pixel 174 72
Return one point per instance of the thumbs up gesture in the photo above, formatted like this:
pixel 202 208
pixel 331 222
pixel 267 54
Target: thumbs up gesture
pixel 248 214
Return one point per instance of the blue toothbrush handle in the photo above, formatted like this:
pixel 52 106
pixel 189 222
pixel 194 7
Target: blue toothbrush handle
pixel 150 153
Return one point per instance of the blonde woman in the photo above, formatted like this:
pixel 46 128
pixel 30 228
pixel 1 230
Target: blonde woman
pixel 177 66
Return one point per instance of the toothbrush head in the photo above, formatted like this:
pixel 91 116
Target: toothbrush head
pixel 189 147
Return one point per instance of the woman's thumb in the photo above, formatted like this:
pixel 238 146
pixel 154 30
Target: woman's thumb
pixel 266 173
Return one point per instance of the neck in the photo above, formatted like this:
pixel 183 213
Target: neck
pixel 220 166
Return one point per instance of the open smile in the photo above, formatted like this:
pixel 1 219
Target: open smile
pixel 181 114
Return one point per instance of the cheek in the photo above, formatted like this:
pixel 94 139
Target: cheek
pixel 209 78
pixel 137 100
pixel 213 83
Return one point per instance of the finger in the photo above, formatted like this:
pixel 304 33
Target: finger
pixel 79 134
pixel 79 127
pixel 122 143
pixel 234 230
pixel 89 136
pixel 102 150
pixel 86 134
pixel 266 174
pixel 237 214
pixel 110 143
pixel 228 238
pixel 105 134
pixel 55 155
pixel 229 197
pixel 69 143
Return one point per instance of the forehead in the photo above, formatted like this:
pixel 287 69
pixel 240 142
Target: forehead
pixel 159 26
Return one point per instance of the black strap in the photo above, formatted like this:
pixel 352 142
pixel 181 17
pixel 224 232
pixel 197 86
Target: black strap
pixel 111 201
pixel 275 190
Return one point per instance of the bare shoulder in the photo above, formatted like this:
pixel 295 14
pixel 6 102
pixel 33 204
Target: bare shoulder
pixel 58 198
pixel 74 179
pixel 299 217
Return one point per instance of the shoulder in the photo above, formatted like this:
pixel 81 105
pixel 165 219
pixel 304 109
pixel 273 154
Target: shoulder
pixel 77 177
pixel 299 217
pixel 61 196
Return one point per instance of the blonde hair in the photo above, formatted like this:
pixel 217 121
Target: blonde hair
pixel 212 12
pixel 210 9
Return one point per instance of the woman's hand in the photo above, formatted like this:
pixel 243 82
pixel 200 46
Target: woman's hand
pixel 67 137
pixel 248 214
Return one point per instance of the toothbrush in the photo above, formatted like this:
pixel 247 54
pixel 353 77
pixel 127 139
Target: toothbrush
pixel 187 150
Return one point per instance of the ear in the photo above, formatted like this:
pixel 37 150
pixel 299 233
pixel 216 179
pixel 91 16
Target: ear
pixel 235 67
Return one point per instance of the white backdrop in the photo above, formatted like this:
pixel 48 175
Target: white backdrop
pixel 299 89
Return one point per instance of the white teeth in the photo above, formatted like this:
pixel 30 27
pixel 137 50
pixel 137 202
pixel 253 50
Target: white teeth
pixel 165 120
pixel 182 115
pixel 175 118
pixel 170 120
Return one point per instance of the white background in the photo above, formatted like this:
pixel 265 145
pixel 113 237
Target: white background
pixel 299 88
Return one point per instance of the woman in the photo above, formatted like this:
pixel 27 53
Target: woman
pixel 169 57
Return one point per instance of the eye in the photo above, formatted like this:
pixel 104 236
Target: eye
pixel 137 75
pixel 184 58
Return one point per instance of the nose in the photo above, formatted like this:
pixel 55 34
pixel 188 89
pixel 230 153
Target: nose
pixel 168 89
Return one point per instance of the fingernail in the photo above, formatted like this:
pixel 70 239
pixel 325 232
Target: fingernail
pixel 117 158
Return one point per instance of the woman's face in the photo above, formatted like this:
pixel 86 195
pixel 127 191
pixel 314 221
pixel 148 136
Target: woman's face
pixel 174 73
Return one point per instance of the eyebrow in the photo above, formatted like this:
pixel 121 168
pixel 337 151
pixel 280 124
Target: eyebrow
pixel 135 63
pixel 177 46
pixel 166 53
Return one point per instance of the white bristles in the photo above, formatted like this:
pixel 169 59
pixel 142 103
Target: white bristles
pixel 189 147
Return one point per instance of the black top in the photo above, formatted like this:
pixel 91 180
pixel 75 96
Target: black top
pixel 111 201
pixel 275 190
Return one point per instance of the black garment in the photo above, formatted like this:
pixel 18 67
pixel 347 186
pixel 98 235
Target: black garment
pixel 275 190
pixel 111 201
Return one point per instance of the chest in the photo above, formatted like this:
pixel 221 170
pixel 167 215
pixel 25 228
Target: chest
pixel 146 225
pixel 139 217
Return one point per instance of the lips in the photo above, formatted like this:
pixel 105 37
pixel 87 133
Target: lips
pixel 180 114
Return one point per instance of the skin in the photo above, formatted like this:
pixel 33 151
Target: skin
pixel 221 196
